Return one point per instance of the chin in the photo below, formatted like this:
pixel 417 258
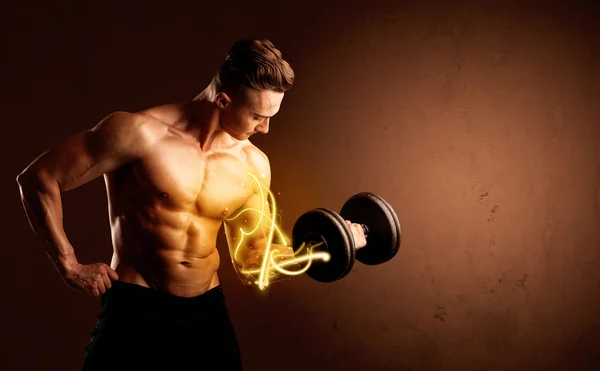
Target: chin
pixel 236 136
pixel 241 136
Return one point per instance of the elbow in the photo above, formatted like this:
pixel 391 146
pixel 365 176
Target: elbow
pixel 24 184
pixel 35 179
pixel 22 178
pixel 28 176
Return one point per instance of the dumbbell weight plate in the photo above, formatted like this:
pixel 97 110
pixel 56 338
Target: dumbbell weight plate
pixel 385 234
pixel 350 248
pixel 325 225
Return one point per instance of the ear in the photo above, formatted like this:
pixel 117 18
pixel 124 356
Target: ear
pixel 222 100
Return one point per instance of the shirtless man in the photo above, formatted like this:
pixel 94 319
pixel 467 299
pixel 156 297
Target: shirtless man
pixel 174 174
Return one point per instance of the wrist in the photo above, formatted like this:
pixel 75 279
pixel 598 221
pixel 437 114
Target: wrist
pixel 66 263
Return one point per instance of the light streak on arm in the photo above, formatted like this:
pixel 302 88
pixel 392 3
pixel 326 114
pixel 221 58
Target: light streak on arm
pixel 256 241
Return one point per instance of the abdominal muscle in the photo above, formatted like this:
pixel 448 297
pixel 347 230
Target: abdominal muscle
pixel 166 210
pixel 179 259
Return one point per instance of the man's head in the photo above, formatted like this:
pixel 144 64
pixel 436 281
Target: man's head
pixel 250 85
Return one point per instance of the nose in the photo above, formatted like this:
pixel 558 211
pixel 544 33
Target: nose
pixel 264 127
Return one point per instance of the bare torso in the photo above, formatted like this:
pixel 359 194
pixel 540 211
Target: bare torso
pixel 167 208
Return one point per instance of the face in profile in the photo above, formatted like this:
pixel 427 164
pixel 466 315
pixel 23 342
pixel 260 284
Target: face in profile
pixel 248 112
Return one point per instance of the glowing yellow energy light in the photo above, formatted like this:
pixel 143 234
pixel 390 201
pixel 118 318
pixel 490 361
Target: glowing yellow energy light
pixel 270 266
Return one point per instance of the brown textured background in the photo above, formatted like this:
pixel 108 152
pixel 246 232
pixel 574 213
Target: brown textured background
pixel 477 120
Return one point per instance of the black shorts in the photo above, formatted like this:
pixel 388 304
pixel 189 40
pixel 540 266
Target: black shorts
pixel 143 329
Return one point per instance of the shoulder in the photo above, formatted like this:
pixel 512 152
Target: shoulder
pixel 129 129
pixel 126 121
pixel 152 120
pixel 256 158
pixel 168 114
pixel 258 161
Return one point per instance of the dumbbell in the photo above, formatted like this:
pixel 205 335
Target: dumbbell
pixel 328 231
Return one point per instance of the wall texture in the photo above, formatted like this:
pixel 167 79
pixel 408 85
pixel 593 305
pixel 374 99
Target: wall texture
pixel 477 120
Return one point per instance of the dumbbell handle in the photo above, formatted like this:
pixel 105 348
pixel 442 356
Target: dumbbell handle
pixel 365 229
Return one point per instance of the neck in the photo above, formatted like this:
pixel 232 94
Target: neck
pixel 204 123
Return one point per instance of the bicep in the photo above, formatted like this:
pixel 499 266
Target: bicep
pixel 89 154
pixel 247 232
pixel 250 223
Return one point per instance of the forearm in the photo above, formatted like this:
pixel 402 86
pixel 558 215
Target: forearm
pixel 259 262
pixel 41 200
pixel 281 252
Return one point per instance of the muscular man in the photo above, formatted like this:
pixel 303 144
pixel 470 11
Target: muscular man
pixel 174 174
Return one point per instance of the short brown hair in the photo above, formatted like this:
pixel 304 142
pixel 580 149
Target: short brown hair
pixel 254 63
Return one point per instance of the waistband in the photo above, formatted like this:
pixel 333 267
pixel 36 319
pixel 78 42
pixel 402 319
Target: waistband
pixel 129 298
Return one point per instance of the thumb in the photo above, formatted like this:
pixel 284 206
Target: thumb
pixel 112 274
